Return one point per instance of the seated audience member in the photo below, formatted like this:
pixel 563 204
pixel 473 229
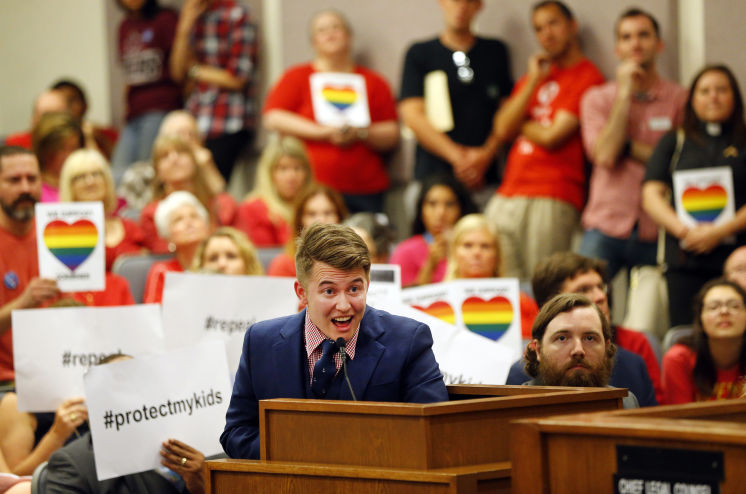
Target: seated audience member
pixel 181 124
pixel 183 221
pixel 28 439
pixel 636 366
pixel 375 230
pixel 346 158
pixel 54 137
pixel 571 345
pixel 73 469
pixel 714 135
pixel 422 257
pixel 176 169
pixel 144 41
pixel 711 364
pixel 282 175
pixel 735 267
pixel 319 204
pixel 227 251
pixel 11 483
pixel 390 357
pixel 96 137
pixel 86 176
pixel 48 101
pixel 475 253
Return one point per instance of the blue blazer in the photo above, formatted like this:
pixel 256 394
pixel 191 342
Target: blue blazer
pixel 393 361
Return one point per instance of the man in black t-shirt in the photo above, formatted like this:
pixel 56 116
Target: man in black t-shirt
pixel 451 89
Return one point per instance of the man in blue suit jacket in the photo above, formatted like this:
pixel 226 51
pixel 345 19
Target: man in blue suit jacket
pixel 390 358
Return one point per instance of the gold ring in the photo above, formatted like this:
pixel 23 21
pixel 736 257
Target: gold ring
pixel 183 461
pixel 73 417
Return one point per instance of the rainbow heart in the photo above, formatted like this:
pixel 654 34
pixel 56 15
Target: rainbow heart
pixel 704 205
pixel 71 244
pixel 340 97
pixel 490 318
pixel 441 310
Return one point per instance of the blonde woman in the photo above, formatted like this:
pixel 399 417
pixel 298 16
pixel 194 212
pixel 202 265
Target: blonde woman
pixel 283 175
pixel 86 176
pixel 227 251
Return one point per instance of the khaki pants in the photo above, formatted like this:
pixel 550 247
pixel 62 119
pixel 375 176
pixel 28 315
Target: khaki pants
pixel 530 229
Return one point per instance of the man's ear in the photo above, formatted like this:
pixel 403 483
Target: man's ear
pixel 300 292
pixel 534 345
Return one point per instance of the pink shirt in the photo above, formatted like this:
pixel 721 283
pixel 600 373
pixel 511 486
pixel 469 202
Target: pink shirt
pixel 314 339
pixel 615 196
pixel 411 255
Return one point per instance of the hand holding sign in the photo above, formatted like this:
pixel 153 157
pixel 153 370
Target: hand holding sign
pixel 186 461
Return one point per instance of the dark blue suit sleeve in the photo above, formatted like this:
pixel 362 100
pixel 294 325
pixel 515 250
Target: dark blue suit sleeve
pixel 240 439
pixel 422 381
pixel 517 374
pixel 631 372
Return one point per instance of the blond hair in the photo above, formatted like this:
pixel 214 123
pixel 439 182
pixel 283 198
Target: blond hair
pixel 78 161
pixel 162 146
pixel 246 250
pixel 465 225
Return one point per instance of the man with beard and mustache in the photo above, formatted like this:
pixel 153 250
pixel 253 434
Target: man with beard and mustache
pixel 621 122
pixel 571 345
pixel 537 207
pixel 20 189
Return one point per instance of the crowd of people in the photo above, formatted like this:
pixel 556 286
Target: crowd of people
pixel 608 159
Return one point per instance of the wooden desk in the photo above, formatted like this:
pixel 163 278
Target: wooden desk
pixel 578 453
pixel 459 446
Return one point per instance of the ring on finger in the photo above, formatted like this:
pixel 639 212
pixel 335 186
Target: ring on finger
pixel 183 461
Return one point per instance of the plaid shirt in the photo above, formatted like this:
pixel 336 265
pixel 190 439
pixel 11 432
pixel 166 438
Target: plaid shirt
pixel 314 338
pixel 224 36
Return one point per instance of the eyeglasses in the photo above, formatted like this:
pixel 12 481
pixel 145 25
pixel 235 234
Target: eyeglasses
pixel 83 176
pixel 463 70
pixel 588 289
pixel 718 305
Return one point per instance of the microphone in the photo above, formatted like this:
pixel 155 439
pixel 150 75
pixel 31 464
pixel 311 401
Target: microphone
pixel 341 344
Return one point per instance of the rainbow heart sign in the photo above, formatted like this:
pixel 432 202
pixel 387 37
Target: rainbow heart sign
pixel 440 309
pixel 704 205
pixel 71 243
pixel 490 318
pixel 341 97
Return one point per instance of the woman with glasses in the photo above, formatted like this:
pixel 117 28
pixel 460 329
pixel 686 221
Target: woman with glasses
pixel 315 102
pixel 710 365
pixel 86 176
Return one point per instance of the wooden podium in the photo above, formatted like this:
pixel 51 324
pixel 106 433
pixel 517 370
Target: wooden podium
pixel 459 446
pixel 699 446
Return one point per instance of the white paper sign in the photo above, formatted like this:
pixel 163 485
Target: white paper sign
pixel 463 357
pixel 53 348
pixel 135 405
pixel 385 285
pixel 340 99
pixel 198 306
pixel 489 307
pixel 704 195
pixel 70 244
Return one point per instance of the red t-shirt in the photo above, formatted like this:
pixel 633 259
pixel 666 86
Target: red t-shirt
pixel 355 169
pixel 282 265
pixel 636 342
pixel 18 265
pixel 132 242
pixel 157 278
pixel 22 139
pixel 264 230
pixel 678 378
pixel 117 292
pixel 533 171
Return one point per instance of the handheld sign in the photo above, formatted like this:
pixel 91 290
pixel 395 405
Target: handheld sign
pixel 70 244
pixel 704 196
pixel 134 405
pixel 340 99
pixel 53 348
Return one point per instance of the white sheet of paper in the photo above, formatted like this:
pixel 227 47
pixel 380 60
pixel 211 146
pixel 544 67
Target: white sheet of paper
pixel 340 99
pixel 704 195
pixel 135 405
pixel 385 284
pixel 198 306
pixel 70 244
pixel 438 101
pixel 53 348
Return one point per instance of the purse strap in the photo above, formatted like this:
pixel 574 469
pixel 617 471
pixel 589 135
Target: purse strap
pixel 661 248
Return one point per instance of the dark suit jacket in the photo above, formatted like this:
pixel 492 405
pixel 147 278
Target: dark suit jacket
pixel 72 470
pixel 393 361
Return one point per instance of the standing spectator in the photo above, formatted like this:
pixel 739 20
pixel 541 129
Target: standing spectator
pixel 145 39
pixel 347 159
pixel 478 79
pixel 538 205
pixel 711 364
pixel 214 55
pixel 714 135
pixel 621 122
pixel 283 175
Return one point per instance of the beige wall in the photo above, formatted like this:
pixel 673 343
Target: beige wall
pixel 725 37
